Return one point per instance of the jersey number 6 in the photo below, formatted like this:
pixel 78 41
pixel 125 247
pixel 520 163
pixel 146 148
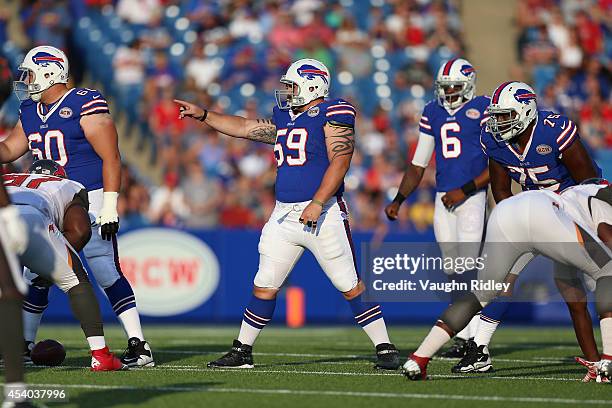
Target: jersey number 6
pixel 296 140
pixel 56 135
pixel 451 145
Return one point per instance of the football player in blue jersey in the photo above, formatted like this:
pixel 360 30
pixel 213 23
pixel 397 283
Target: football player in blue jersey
pixel 73 127
pixel 539 150
pixel 450 126
pixel 313 140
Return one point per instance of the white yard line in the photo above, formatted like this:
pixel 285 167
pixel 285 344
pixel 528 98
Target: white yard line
pixel 263 370
pixel 337 394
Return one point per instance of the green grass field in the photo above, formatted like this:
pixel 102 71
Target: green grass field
pixel 320 367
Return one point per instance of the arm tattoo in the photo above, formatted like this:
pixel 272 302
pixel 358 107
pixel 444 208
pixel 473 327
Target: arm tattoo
pixel 342 141
pixel 264 132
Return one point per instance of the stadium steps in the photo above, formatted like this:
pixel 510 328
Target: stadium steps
pixel 490 36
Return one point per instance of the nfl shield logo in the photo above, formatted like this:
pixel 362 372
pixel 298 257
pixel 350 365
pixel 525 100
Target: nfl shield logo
pixel 65 112
pixel 314 111
pixel 472 113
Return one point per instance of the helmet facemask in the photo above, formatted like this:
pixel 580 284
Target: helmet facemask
pixel 504 124
pixel 26 87
pixel 456 97
pixel 290 96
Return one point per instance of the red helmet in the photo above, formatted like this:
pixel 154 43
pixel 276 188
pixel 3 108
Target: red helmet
pixel 48 167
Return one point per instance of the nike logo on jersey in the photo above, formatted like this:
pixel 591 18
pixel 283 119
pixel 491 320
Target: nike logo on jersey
pixel 95 97
pixel 44 126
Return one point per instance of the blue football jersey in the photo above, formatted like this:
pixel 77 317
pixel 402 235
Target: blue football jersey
pixel 54 132
pixel 300 150
pixel 459 157
pixel 540 165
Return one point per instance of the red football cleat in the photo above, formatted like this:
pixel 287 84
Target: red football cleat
pixel 591 374
pixel 416 368
pixel 104 360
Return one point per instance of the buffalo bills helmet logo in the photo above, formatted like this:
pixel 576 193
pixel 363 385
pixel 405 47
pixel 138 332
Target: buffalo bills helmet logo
pixel 467 70
pixel 524 95
pixel 310 72
pixel 44 59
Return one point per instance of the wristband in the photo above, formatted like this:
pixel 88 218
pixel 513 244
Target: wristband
pixel 109 200
pixel 399 198
pixel 204 116
pixel 469 188
pixel 317 202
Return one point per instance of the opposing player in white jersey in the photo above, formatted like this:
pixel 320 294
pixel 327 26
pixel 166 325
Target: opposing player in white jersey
pixel 450 126
pixel 313 140
pixel 55 212
pixel 570 230
pixel 74 128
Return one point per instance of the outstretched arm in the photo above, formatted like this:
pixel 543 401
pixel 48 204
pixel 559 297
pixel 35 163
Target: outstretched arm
pixel 259 130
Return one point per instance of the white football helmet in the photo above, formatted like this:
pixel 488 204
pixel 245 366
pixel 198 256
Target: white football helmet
pixel 512 108
pixel 455 72
pixel 310 77
pixel 42 67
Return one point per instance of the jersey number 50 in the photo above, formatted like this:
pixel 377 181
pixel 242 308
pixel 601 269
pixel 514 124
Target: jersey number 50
pixel 50 136
pixel 296 140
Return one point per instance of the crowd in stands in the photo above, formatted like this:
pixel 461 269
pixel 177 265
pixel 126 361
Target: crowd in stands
pixel 229 55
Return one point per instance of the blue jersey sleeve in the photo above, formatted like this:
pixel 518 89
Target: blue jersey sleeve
pixel 425 122
pixel 340 113
pixel 565 132
pixel 91 102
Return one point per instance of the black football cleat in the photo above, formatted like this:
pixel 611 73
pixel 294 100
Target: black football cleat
pixel 240 356
pixel 138 354
pixel 27 351
pixel 476 360
pixel 387 357
pixel 457 350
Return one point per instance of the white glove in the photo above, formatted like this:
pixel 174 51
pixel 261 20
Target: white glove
pixel 15 228
pixel 108 218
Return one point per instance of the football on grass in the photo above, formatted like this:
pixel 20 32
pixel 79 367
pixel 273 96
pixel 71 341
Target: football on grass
pixel 48 353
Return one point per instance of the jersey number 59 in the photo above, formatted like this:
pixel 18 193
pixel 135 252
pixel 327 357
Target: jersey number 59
pixel 296 140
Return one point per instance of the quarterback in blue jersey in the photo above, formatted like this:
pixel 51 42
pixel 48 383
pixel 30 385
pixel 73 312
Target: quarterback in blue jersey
pixel 313 140
pixel 450 126
pixel 73 128
pixel 539 150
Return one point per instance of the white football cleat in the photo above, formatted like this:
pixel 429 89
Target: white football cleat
pixel 138 354
pixel 604 369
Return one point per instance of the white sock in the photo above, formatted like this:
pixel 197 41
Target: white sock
pixel 606 335
pixel 248 334
pixel 18 388
pixel 433 342
pixel 131 323
pixel 464 334
pixel 31 322
pixel 486 329
pixel 377 332
pixel 473 325
pixel 96 342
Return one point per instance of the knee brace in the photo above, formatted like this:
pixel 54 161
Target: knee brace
pixel 603 295
pixel 459 314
